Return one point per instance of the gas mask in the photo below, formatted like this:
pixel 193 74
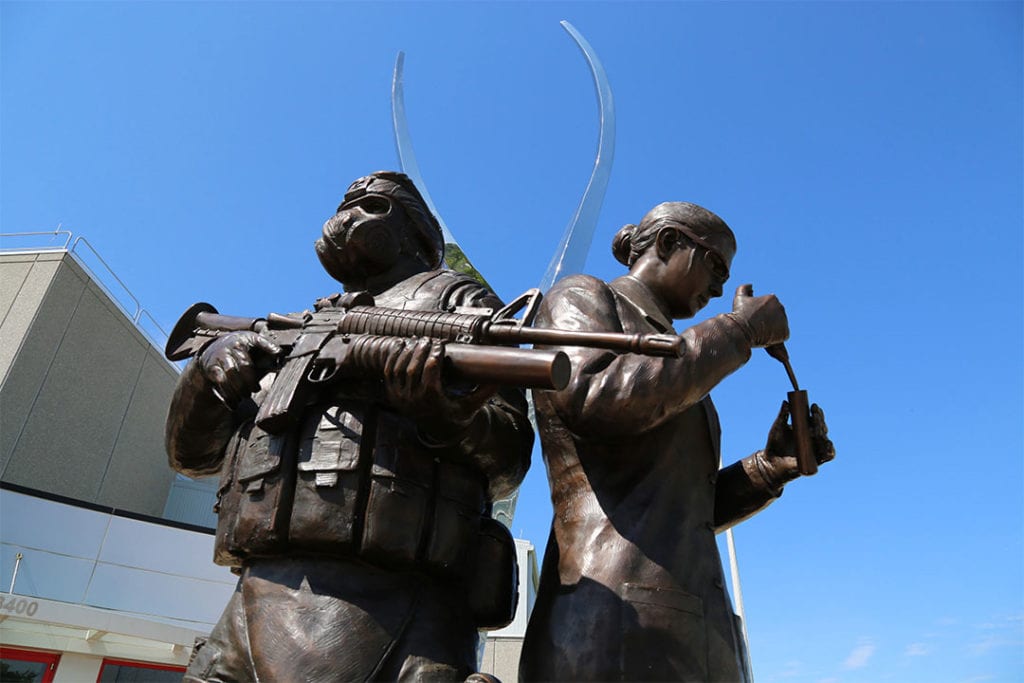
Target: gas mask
pixel 381 220
pixel 363 238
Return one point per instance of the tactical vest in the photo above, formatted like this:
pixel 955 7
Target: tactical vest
pixel 355 480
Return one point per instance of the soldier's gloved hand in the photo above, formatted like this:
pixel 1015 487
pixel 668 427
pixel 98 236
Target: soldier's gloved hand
pixel 777 462
pixel 230 365
pixel 413 386
pixel 762 318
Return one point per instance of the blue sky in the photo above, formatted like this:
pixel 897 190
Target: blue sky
pixel 867 155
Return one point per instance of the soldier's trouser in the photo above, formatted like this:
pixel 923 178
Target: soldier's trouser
pixel 337 620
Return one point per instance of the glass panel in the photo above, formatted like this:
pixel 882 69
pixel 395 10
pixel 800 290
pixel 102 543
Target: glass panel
pixel 19 671
pixel 123 673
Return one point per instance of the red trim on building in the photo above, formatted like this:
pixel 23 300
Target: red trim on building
pixel 41 656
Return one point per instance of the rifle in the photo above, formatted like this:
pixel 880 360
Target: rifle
pixel 335 341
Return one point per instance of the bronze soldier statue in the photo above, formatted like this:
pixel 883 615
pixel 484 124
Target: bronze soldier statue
pixel 632 585
pixel 355 530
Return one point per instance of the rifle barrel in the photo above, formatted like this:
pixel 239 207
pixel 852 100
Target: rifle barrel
pixel 668 345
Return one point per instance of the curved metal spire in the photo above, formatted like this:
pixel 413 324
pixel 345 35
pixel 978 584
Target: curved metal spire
pixel 572 251
pixel 454 257
pixel 571 254
pixel 403 143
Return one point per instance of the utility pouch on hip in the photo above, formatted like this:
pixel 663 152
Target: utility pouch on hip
pixel 329 480
pixel 494 581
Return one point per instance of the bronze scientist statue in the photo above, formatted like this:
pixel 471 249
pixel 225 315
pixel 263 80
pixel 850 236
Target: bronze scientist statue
pixel 357 516
pixel 632 585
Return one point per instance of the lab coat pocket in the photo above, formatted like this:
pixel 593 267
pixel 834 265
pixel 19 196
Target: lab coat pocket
pixel 664 637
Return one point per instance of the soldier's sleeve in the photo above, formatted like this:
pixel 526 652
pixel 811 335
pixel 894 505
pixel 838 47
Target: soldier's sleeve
pixel 499 438
pixel 618 394
pixel 467 291
pixel 198 426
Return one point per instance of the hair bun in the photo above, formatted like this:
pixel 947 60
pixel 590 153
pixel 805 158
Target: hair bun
pixel 622 244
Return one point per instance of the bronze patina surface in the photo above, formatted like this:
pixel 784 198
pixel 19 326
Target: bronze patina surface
pixel 357 516
pixel 632 586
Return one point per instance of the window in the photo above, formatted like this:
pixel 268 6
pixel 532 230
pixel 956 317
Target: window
pixel 27 666
pixel 119 671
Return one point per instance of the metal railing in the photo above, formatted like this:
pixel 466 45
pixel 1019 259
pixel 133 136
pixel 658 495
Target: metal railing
pixel 35 247
pixel 104 277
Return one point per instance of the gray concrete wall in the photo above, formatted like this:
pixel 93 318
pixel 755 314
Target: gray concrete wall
pixel 24 279
pixel 501 658
pixel 503 646
pixel 84 393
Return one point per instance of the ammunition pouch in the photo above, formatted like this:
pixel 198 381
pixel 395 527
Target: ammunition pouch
pixel 254 498
pixel 400 496
pixel 329 483
pixel 458 513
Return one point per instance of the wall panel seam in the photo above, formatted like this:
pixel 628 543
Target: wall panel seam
pixel 49 364
pixel 120 425
pixel 21 342
pixel 20 287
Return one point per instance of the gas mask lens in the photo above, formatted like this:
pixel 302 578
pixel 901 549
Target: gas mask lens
pixel 374 204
